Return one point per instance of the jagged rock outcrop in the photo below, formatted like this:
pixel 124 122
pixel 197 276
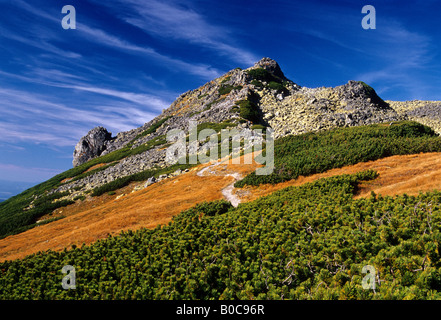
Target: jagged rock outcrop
pixel 91 145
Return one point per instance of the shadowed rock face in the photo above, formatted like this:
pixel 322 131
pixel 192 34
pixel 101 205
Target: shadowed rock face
pixel 91 145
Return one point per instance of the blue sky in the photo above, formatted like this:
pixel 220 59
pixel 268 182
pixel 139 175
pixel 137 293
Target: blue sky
pixel 127 60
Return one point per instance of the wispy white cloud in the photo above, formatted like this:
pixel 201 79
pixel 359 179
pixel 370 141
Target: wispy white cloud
pixel 34 118
pixel 38 35
pixel 112 41
pixel 154 103
pixel 171 21
pixel 55 75
pixel 43 45
pixel 20 132
pixel 401 57
pixel 37 12
pixel 400 46
pixel 25 174
pixel 66 80
pixel 104 38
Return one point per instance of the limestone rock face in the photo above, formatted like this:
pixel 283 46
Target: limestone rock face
pixel 91 145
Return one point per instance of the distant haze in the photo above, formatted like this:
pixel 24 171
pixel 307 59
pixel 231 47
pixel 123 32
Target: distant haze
pixel 12 188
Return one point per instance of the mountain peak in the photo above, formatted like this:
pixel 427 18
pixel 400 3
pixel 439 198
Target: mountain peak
pixel 271 66
pixel 259 95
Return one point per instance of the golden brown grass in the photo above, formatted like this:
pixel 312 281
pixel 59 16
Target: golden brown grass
pixel 98 217
pixel 95 218
pixel 398 174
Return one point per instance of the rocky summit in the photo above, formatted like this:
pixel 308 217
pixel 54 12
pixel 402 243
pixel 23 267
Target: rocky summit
pixel 260 95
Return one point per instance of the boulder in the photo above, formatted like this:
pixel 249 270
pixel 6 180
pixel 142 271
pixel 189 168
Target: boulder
pixel 150 181
pixel 91 145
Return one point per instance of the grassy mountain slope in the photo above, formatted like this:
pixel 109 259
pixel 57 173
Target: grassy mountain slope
pixel 312 153
pixel 304 242
pixel 21 212
pixel 294 155
pixel 307 242
pixel 298 243
pixel 127 209
pixel 398 174
pixel 259 95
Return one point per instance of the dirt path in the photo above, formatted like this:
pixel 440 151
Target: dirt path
pixel 96 218
pixel 228 191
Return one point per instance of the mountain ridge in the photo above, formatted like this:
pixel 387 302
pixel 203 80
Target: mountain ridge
pixel 258 95
pixel 345 192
